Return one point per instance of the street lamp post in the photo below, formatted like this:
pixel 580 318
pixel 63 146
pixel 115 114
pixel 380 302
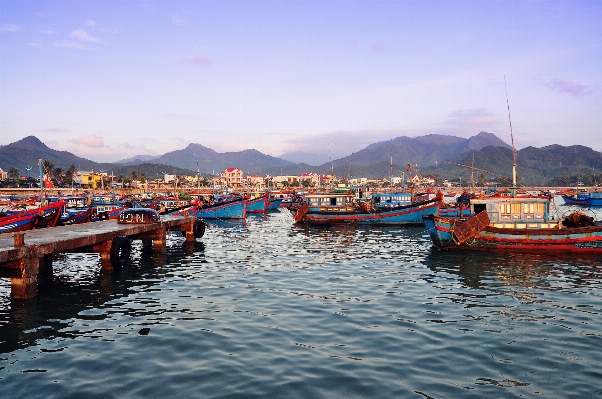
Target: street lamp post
pixel 28 168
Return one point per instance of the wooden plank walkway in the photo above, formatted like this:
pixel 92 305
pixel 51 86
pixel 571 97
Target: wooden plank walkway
pixel 22 254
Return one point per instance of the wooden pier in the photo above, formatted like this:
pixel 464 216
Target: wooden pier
pixel 22 254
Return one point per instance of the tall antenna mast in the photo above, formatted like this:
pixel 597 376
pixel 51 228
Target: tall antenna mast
pixel 391 164
pixel 350 166
pixel 331 167
pixel 511 137
pixel 472 173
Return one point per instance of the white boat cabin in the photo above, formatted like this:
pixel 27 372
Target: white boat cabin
pixel 516 213
pixel 328 202
pixel 389 200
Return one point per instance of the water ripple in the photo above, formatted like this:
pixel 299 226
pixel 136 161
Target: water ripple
pixel 264 308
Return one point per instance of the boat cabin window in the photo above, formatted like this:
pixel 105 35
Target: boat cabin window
pixel 525 210
pixel 510 209
pixel 333 201
pixel 533 210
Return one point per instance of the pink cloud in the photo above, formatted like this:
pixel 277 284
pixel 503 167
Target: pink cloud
pixel 84 36
pixel 195 60
pixel 567 86
pixel 10 27
pixel 89 140
pixel 472 119
pixel 69 44
pixel 377 48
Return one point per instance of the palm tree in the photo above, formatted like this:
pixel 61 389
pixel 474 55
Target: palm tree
pixel 70 172
pixel 58 173
pixel 13 172
pixel 47 168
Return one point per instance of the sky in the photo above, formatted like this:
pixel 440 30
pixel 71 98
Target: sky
pixel 109 80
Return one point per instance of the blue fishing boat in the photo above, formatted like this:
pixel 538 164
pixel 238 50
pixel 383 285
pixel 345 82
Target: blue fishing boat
pixel 72 215
pixel 257 205
pixel 274 204
pixel 515 224
pixel 457 211
pixel 223 209
pixel 593 198
pixel 341 207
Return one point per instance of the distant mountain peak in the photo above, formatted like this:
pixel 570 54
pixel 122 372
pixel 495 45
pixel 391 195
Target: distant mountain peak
pixel 30 142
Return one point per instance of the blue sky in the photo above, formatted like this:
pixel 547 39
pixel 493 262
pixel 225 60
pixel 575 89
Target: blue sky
pixel 108 80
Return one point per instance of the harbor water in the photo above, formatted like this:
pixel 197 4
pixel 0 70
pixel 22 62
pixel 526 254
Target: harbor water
pixel 267 309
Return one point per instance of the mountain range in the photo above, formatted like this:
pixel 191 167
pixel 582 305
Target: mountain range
pixel 429 155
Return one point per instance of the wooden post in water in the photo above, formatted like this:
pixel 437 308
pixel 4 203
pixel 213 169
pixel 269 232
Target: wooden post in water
pixel 25 284
pixel 104 249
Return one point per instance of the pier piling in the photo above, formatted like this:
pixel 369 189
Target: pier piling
pixel 23 254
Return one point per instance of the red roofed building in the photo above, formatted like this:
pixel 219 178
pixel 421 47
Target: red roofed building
pixel 231 177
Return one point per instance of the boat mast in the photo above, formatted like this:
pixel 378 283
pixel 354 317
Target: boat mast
pixel 512 139
pixel 472 175
pixel 391 163
pixel 350 166
pixel 41 182
pixel 332 172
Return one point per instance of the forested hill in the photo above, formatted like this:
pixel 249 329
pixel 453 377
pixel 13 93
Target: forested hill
pixel 434 155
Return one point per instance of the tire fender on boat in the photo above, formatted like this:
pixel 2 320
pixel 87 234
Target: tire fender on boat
pixel 121 247
pixel 36 221
pixel 198 229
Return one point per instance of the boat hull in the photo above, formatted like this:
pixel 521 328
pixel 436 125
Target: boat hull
pixel 257 205
pixel 591 199
pixel 17 223
pixel 75 216
pixel 274 204
pixel 455 212
pixel 581 239
pixel 226 210
pixel 38 218
pixel 410 215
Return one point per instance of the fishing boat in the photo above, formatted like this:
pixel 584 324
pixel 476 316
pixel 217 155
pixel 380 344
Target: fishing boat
pixel 76 210
pixel 390 200
pixel 593 198
pixel 226 208
pixel 29 219
pixel 460 210
pixel 74 215
pixel 288 199
pixel 257 204
pixel 273 204
pixel 171 206
pixel 515 224
pixel 341 207
pixel 108 210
